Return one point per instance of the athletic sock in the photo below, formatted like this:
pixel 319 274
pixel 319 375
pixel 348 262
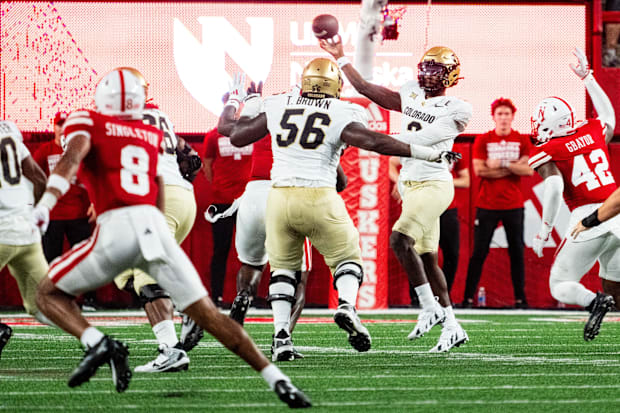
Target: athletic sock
pixel 165 333
pixel 90 337
pixel 271 374
pixel 450 318
pixel 281 315
pixel 348 286
pixel 426 296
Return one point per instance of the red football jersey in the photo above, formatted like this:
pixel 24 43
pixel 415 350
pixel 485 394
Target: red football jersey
pixel 583 159
pixel 262 160
pixel 72 205
pixel 120 168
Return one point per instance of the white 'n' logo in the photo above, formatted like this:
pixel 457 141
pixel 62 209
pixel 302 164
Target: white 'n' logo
pixel 201 66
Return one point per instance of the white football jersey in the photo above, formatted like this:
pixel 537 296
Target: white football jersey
pixel 305 138
pixel 167 166
pixel 16 197
pixel 430 122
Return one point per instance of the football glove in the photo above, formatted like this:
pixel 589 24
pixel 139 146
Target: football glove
pixel 582 68
pixel 236 89
pixel 41 215
pixel 447 156
pixel 541 239
pixel 189 164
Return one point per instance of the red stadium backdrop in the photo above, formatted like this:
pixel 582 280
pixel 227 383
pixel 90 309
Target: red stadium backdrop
pixel 53 53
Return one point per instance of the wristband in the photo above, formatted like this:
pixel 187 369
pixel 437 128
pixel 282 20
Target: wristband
pixel 343 61
pixel 233 102
pixel 48 200
pixel 591 220
pixel 589 77
pixel 59 183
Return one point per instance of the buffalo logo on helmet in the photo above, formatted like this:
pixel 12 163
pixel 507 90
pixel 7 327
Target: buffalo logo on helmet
pixel 321 78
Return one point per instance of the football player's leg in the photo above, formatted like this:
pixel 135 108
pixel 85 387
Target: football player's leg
pixel 250 245
pixel 89 266
pixel 513 224
pixel 6 253
pixel 572 261
pixel 29 267
pixel 178 276
pixel 612 288
pixel 300 293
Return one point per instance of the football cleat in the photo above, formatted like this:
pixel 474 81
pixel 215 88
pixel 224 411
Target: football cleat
pixel 601 304
pixel 282 347
pixel 427 319
pixel 191 333
pixel 451 336
pixel 239 308
pixel 346 318
pixel 5 335
pixel 296 354
pixel 170 359
pixel 95 356
pixel 291 395
pixel 119 364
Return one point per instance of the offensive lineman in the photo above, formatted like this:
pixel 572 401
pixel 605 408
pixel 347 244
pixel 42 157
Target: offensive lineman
pixel 308 133
pixel 116 155
pixel 432 119
pixel 573 159
pixel 250 233
pixel 20 240
pixel 180 213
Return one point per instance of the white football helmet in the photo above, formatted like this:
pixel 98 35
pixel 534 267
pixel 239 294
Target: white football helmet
pixel 120 93
pixel 552 117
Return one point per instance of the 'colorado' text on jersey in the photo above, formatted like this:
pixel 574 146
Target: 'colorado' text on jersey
pixel 583 160
pixel 305 137
pixel 434 123
pixel 121 166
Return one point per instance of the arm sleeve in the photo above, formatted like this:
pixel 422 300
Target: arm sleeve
pixel 600 101
pixel 552 200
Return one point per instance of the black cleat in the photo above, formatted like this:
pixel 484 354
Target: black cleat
pixel 282 347
pixel 291 395
pixel 239 308
pixel 346 318
pixel 93 359
pixel 5 334
pixel 601 304
pixel 119 364
pixel 191 333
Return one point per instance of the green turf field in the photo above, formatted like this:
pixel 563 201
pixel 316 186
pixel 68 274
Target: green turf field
pixel 512 363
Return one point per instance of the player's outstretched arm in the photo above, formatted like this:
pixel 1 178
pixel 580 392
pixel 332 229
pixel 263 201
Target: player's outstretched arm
pixel 599 98
pixel 341 179
pixel 609 209
pixel 35 174
pixel 382 96
pixel 552 200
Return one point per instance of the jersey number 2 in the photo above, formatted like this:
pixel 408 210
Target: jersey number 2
pixel 134 171
pixel 583 174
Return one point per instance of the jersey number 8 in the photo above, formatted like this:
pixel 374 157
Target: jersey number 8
pixel 135 168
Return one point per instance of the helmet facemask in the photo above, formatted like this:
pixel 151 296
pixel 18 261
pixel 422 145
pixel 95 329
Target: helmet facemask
pixel 431 76
pixel 552 117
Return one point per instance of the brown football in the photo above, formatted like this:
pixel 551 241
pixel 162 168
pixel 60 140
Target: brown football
pixel 325 26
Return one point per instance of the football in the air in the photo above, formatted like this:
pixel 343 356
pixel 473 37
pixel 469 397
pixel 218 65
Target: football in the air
pixel 325 26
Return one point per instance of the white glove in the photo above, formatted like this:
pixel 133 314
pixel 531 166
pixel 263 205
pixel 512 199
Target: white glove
pixel 541 239
pixel 236 89
pixel 444 156
pixel 41 216
pixel 582 69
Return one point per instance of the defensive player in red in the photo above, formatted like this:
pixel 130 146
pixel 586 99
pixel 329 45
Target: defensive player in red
pixel 573 158
pixel 116 155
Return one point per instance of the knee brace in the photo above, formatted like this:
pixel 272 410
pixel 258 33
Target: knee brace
pixel 150 293
pixel 349 268
pixel 283 285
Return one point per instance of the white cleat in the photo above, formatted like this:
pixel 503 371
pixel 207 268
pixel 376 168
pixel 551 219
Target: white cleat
pixel 427 319
pixel 346 318
pixel 451 336
pixel 170 359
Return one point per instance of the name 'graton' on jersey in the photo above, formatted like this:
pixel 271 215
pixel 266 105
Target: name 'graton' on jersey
pixel 305 137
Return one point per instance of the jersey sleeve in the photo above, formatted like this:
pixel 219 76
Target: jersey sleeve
pixel 78 123
pixel 461 114
pixel 539 155
pixel 349 113
pixel 22 151
pixel 479 150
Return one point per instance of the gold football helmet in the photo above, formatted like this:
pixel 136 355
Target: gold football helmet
pixel 441 61
pixel 140 77
pixel 321 78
